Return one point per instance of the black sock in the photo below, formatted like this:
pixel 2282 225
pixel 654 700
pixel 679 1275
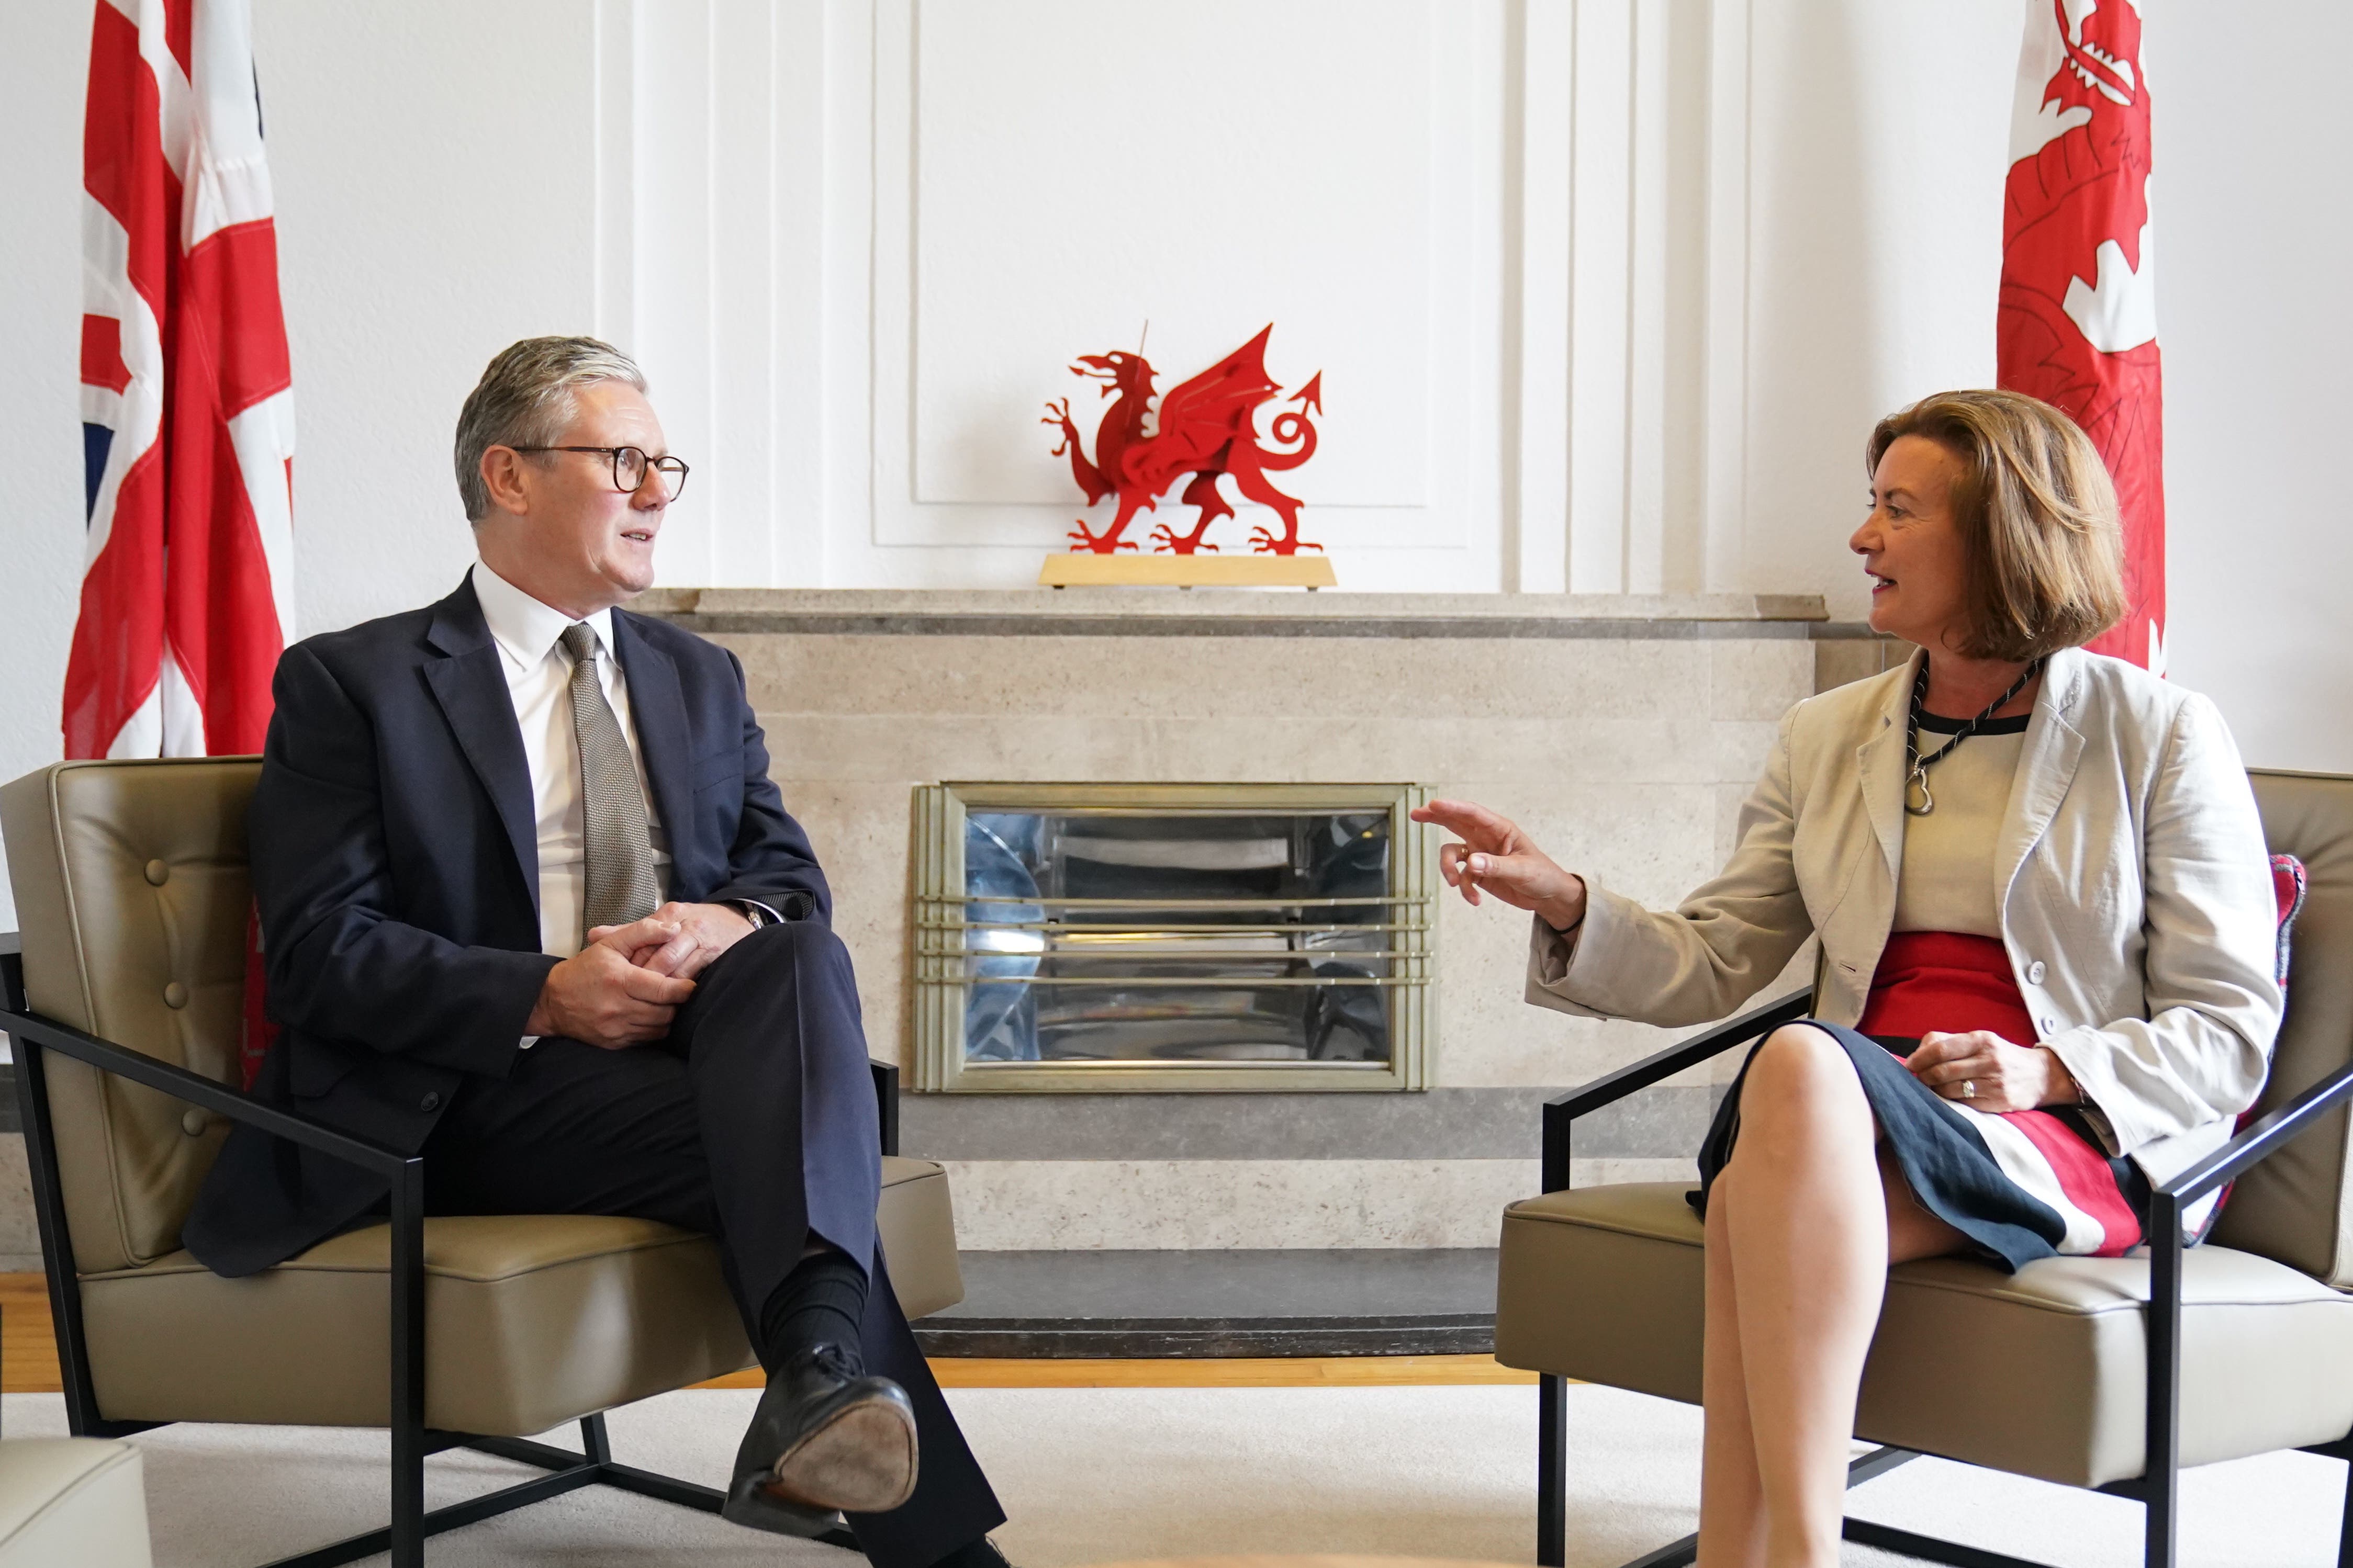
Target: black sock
pixel 819 1302
pixel 979 1553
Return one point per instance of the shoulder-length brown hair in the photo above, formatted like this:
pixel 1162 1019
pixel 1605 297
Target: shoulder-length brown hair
pixel 2041 537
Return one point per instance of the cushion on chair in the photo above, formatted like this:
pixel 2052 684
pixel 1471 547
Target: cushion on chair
pixel 530 1321
pixel 77 1500
pixel 2039 1373
pixel 918 1231
pixel 131 886
pixel 1605 1285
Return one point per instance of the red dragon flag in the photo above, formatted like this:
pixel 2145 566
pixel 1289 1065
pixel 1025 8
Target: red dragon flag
pixel 187 400
pixel 2077 325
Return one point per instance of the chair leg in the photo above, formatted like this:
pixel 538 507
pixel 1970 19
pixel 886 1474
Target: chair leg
pixel 1551 1471
pixel 407 1287
pixel 2160 1538
pixel 594 1445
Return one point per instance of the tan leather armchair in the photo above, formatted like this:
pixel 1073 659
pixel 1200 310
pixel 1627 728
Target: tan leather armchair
pixel 2116 1372
pixel 123 1008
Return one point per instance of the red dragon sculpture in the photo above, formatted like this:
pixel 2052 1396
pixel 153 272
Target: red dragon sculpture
pixel 1205 427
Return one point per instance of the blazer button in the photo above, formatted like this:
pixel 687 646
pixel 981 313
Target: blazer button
pixel 2050 1026
pixel 176 996
pixel 432 1100
pixel 2034 972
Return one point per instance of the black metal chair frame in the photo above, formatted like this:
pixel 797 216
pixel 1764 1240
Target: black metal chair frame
pixel 2158 1488
pixel 412 1440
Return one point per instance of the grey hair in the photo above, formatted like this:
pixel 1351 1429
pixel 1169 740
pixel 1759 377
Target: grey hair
pixel 525 399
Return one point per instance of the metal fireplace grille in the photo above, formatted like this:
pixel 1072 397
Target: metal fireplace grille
pixel 1184 937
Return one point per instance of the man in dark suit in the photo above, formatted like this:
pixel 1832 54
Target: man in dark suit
pixel 533 907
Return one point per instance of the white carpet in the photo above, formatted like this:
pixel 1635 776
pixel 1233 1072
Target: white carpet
pixel 1092 1475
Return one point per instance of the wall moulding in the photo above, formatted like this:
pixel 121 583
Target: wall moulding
pixel 854 242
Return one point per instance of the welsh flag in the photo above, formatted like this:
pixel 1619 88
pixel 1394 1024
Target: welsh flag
pixel 2077 326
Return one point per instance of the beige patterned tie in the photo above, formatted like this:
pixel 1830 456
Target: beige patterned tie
pixel 619 848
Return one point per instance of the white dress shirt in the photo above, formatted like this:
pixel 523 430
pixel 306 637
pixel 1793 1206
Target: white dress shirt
pixel 539 680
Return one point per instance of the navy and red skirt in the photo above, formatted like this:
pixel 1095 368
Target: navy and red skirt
pixel 2021 1184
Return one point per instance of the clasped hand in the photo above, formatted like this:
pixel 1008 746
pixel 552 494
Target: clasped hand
pixel 624 988
pixel 1982 1070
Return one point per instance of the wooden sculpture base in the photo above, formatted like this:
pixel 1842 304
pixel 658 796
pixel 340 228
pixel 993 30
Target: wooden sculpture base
pixel 1085 569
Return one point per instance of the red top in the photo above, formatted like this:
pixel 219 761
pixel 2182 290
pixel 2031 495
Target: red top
pixel 1943 981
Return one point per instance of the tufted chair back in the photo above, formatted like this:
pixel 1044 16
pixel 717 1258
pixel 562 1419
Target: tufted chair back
pixel 2294 1206
pixel 130 879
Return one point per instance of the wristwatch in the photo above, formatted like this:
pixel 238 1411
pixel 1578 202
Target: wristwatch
pixel 757 914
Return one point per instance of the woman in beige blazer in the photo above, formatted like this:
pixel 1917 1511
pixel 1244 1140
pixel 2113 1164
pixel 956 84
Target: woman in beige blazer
pixel 2047 940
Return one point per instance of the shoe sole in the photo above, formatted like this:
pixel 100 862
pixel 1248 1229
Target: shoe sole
pixel 862 1461
pixel 756 1508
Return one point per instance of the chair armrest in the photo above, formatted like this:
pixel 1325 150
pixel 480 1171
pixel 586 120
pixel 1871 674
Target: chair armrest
pixel 47 1034
pixel 886 1101
pixel 2162 1317
pixel 2257 1142
pixel 1560 1112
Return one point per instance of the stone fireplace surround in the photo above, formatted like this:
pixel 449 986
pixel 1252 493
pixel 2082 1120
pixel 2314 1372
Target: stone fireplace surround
pixel 1622 730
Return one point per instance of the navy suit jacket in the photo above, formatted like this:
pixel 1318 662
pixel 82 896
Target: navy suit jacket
pixel 395 865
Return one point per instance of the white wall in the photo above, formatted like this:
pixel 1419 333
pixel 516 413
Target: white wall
pixel 2257 325
pixel 1607 291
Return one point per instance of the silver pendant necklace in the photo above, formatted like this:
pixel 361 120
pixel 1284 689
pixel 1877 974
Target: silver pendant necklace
pixel 1915 774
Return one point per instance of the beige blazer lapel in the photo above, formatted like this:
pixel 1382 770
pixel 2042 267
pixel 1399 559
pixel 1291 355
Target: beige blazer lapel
pixel 1879 764
pixel 2046 767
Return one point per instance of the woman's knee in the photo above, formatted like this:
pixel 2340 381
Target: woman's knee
pixel 1800 1070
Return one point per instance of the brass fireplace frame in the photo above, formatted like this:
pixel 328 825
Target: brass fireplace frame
pixel 940 899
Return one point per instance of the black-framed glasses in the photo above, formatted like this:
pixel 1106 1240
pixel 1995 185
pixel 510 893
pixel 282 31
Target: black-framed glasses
pixel 630 465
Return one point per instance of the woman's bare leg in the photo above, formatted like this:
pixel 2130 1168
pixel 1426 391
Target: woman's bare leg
pixel 1731 1497
pixel 1802 1223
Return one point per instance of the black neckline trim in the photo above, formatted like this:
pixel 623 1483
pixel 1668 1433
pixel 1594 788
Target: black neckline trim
pixel 1943 726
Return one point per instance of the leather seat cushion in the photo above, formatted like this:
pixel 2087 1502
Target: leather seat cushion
pixel 72 1500
pixel 918 1230
pixel 530 1321
pixel 2041 1372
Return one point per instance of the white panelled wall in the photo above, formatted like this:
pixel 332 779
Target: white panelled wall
pixel 1486 224
pixel 1606 293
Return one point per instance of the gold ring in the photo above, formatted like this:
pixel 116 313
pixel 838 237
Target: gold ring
pixel 1968 1088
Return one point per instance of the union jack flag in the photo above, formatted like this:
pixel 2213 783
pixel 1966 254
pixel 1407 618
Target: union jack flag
pixel 187 399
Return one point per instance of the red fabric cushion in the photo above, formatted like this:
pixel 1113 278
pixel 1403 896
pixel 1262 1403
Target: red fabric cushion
pixel 2288 887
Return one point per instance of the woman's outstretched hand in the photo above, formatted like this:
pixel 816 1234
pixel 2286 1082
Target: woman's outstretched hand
pixel 1494 856
pixel 1984 1071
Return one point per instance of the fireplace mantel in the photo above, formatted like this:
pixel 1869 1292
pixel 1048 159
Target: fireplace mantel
pixel 1133 612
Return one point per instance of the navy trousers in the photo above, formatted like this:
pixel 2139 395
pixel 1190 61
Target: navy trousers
pixel 754 1122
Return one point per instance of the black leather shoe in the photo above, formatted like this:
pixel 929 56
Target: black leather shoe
pixel 823 1439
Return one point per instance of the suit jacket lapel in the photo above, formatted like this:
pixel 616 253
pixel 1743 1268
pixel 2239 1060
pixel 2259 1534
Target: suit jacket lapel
pixel 471 688
pixel 2046 767
pixel 658 708
pixel 1879 761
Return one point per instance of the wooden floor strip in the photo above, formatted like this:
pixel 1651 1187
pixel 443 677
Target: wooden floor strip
pixel 28 1363
pixel 1184 1371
